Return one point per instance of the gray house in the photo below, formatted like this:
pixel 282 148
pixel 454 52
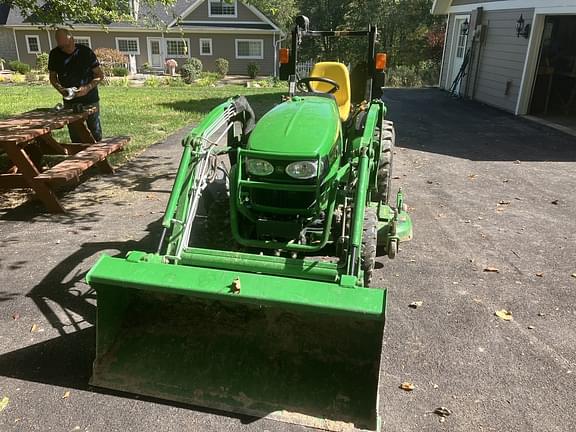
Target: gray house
pixel 206 29
pixel 517 55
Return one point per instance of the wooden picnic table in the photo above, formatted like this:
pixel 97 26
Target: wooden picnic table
pixel 27 137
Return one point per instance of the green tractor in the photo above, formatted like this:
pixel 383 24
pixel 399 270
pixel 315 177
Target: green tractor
pixel 284 323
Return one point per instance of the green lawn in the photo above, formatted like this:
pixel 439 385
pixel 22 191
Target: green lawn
pixel 146 114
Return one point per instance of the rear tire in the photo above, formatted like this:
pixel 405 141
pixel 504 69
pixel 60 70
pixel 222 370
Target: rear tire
pixel 369 244
pixel 384 179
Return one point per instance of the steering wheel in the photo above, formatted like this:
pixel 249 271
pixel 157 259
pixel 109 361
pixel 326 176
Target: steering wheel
pixel 303 84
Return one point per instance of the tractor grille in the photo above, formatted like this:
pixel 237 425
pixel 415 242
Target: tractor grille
pixel 282 199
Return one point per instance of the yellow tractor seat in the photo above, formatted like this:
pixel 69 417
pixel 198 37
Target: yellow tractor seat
pixel 339 73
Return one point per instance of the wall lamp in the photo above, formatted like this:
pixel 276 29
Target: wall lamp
pixel 522 29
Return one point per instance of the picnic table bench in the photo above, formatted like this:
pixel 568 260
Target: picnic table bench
pixel 27 137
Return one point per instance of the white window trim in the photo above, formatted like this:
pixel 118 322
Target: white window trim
pixel 209 40
pixel 84 37
pixel 454 41
pixel 210 15
pixel 168 55
pixel 129 38
pixel 162 48
pixel 28 45
pixel 261 41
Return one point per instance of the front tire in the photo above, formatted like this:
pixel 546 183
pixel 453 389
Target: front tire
pixel 387 143
pixel 369 244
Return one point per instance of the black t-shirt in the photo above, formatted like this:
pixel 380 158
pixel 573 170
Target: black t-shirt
pixel 75 70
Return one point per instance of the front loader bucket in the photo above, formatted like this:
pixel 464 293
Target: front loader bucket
pixel 295 350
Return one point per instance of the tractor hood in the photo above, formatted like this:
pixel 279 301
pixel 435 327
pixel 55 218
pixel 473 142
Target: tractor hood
pixel 306 126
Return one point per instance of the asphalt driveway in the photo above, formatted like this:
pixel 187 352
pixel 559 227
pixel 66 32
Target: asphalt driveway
pixel 487 191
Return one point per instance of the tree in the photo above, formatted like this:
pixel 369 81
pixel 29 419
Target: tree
pixel 54 12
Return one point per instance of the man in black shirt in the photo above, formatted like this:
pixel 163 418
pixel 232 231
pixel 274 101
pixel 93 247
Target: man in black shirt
pixel 72 65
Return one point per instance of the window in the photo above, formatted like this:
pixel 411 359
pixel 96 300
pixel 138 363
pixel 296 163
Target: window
pixel 205 46
pixel 128 45
pixel 83 40
pixel 249 49
pixel 221 8
pixel 462 39
pixel 33 44
pixel 177 47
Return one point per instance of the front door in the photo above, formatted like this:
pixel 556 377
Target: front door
pixel 155 52
pixel 459 41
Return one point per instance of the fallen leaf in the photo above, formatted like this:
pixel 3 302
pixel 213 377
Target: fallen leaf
pixel 540 274
pixel 429 182
pixel 396 177
pixel 517 162
pixel 491 270
pixel 502 202
pixel 573 275
pixel 541 314
pixel 505 315
pixel 530 327
pixel 4 403
pixel 66 395
pixel 442 412
pixel 472 176
pixel 416 304
pixel 34 328
pixel 555 202
pixel 407 386
pixel 505 181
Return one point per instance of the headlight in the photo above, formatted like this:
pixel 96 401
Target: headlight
pixel 302 169
pixel 259 167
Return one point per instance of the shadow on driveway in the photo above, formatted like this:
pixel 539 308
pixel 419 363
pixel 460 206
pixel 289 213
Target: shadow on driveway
pixel 430 120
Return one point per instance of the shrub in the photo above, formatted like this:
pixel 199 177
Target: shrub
pixel 120 71
pixel 404 76
pixel 423 73
pixel 18 66
pixel 145 68
pixel 42 62
pixel 207 79
pixel 188 73
pixel 18 78
pixel 121 82
pixel 31 77
pixel 152 81
pixel 222 66
pixel 174 82
pixel 253 70
pixel 270 82
pixel 109 59
pixel 196 64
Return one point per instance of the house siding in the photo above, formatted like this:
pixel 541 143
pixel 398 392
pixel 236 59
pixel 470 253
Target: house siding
pixel 499 58
pixel 201 14
pixel 7 45
pixel 23 49
pixel 502 59
pixel 223 46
